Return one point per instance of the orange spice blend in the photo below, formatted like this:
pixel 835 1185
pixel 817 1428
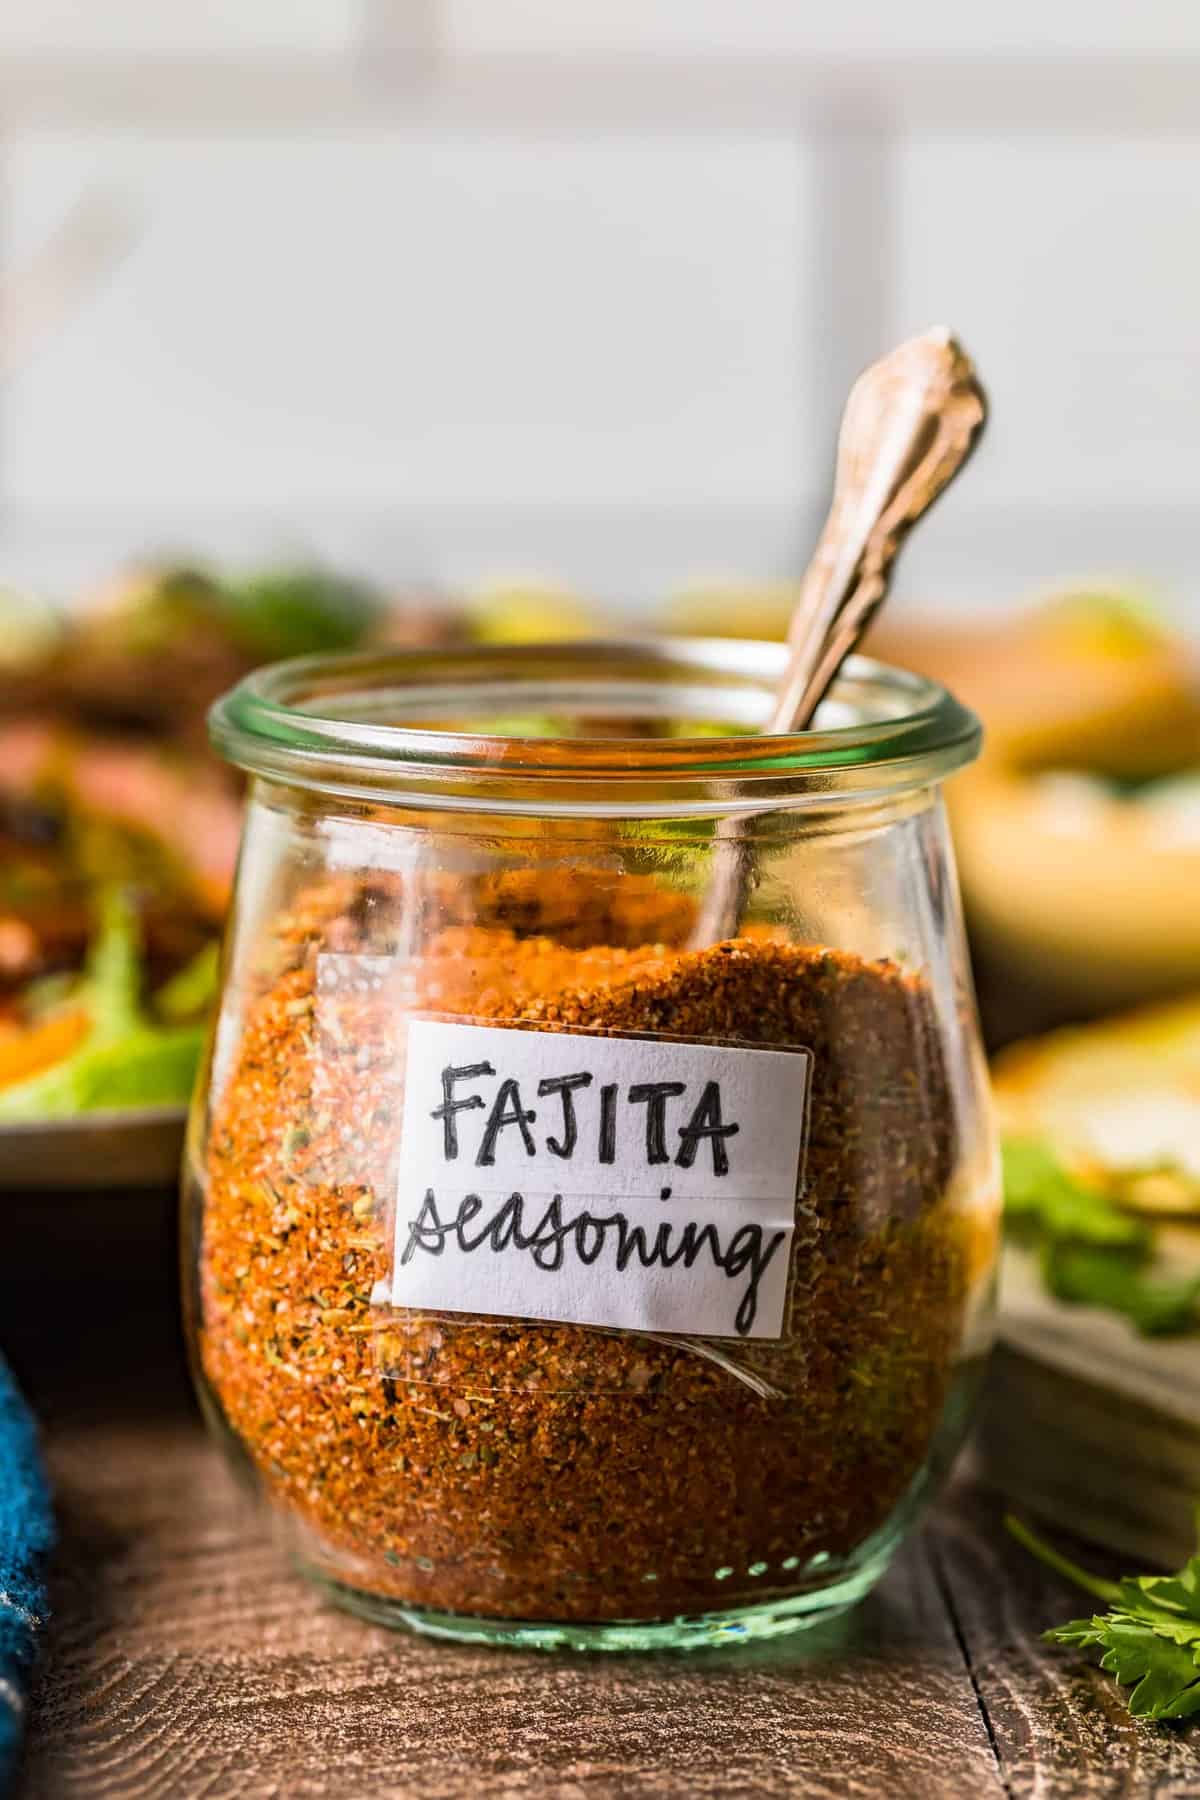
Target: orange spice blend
pixel 563 1472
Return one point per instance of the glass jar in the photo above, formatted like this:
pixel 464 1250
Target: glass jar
pixel 558 1275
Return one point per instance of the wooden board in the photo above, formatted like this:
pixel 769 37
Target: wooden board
pixel 1088 1426
pixel 187 1662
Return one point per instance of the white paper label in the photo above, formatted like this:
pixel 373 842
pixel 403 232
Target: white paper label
pixel 640 1183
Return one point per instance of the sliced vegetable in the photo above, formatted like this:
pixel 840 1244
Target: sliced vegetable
pixel 123 1058
pixel 26 1050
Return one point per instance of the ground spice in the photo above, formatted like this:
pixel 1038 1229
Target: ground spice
pixel 551 1471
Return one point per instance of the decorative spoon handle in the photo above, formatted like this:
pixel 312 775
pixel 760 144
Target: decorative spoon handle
pixel 910 424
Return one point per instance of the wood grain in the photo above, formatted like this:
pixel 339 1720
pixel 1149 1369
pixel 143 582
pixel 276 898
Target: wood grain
pixel 1058 1724
pixel 186 1662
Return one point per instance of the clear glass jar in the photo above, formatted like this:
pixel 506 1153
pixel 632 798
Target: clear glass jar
pixel 556 1275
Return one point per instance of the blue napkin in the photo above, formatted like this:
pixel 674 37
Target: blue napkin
pixel 26 1536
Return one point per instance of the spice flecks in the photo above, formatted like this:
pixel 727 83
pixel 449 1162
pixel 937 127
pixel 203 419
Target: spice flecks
pixel 554 1471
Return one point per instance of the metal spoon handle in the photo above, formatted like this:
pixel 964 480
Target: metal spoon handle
pixel 910 424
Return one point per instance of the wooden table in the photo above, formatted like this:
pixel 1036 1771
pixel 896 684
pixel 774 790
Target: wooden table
pixel 186 1661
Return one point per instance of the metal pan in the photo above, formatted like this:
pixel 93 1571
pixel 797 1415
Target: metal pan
pixel 134 1148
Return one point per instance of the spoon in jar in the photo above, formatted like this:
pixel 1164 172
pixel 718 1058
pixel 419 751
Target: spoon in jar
pixel 910 424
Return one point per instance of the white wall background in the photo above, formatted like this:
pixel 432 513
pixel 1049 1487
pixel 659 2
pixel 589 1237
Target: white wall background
pixel 459 288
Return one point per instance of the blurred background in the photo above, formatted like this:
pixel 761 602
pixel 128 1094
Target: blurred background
pixel 454 290
pixel 327 321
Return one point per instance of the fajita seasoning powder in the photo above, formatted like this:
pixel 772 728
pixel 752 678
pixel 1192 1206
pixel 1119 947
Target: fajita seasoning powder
pixel 547 1470
pixel 560 1282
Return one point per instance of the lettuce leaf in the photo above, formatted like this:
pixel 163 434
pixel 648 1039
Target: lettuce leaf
pixel 126 1059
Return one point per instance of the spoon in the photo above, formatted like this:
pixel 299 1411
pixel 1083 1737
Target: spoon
pixel 911 421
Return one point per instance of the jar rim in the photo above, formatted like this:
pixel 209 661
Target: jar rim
pixel 344 724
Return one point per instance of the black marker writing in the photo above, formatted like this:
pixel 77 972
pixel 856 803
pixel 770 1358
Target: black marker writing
pixel 449 1109
pixel 656 1094
pixel 608 1123
pixel 706 1122
pixel 506 1110
pixel 580 1129
pixel 749 1251
pixel 566 1086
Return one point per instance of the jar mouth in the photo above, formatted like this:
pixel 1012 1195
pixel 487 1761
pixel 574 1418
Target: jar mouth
pixel 617 726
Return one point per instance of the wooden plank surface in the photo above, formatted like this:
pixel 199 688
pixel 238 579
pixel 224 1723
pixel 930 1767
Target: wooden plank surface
pixel 1058 1724
pixel 1097 1429
pixel 186 1661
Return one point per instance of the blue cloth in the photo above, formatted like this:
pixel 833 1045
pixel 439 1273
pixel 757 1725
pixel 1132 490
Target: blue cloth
pixel 26 1536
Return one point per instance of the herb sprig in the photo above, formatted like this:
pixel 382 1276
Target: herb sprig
pixel 1149 1637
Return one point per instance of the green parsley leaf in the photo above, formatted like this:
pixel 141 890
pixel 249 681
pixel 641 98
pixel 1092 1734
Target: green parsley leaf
pixel 1149 1638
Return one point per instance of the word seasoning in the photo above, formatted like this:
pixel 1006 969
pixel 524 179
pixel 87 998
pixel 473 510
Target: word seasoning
pixel 637 1183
